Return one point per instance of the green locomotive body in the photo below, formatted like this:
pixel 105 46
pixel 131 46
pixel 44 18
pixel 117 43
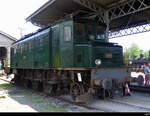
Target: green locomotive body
pixel 67 45
pixel 68 55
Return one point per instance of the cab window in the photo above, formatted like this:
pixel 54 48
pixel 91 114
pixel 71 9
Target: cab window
pixel 91 32
pixel 67 33
pixel 79 29
pixel 90 29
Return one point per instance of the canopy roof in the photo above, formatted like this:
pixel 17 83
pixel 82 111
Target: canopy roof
pixel 121 13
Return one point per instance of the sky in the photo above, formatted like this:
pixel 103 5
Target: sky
pixel 14 12
pixel 142 40
pixel 13 15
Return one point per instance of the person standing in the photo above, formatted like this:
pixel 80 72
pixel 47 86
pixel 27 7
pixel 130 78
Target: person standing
pixel 0 68
pixel 126 89
pixel 147 73
pixel 0 65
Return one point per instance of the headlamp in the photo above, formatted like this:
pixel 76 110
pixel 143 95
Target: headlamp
pixel 98 62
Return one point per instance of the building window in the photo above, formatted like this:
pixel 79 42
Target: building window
pixel 67 33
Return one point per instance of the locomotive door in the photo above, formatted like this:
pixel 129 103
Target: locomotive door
pixel 55 47
pixel 66 45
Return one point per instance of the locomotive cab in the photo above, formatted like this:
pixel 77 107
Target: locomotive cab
pixel 104 59
pixel 87 31
pixel 91 46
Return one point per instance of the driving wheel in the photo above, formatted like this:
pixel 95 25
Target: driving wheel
pixel 76 89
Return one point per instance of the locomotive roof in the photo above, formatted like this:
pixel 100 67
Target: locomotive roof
pixel 40 30
pixel 26 37
pixel 30 36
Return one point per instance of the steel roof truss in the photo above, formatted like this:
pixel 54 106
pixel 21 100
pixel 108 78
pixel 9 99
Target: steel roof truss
pixel 132 6
pixel 130 31
pixel 98 10
pixel 91 5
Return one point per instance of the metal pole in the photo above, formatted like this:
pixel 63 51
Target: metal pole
pixel 107 22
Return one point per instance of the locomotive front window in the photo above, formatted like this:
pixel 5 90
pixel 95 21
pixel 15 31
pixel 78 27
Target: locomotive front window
pixel 100 32
pixel 90 29
pixel 90 32
pixel 79 29
pixel 67 33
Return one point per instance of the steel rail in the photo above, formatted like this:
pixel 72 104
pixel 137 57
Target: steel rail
pixel 144 89
pixel 128 104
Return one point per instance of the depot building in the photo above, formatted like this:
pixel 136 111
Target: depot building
pixel 5 43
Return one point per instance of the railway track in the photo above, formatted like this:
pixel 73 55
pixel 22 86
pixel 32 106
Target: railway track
pixel 129 104
pixel 62 99
pixel 145 89
pixel 90 107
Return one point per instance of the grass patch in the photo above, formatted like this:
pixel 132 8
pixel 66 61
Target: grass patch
pixel 2 97
pixel 37 99
pixel 5 86
pixel 52 108
pixel 26 93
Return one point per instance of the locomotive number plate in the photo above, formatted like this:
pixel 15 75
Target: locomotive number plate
pixel 108 55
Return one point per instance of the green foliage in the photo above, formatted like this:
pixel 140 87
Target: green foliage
pixel 53 108
pixel 5 86
pixel 37 99
pixel 134 51
pixel 146 53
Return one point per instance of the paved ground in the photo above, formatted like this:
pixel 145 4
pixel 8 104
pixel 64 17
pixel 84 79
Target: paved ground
pixel 14 99
pixel 138 102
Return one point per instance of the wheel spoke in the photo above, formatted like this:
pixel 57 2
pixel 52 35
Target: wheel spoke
pixel 76 89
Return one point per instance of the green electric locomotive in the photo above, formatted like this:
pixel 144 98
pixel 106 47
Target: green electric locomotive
pixel 72 56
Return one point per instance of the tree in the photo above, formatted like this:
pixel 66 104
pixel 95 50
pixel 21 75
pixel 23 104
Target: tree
pixel 146 54
pixel 133 52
